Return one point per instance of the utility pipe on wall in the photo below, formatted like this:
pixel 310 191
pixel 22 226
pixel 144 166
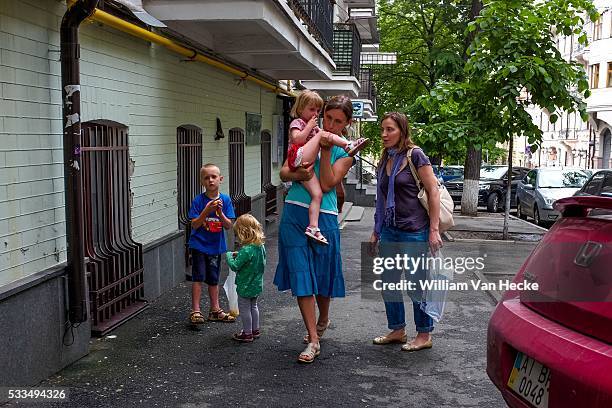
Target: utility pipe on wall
pixel 132 29
pixel 73 189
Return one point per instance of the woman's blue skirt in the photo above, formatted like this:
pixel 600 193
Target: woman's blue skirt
pixel 304 266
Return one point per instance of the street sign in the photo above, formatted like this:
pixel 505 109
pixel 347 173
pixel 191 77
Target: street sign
pixel 357 109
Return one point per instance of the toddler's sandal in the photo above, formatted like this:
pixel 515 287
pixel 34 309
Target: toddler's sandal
pixel 355 146
pixel 315 233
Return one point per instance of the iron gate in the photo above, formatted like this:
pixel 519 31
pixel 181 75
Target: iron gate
pixel 189 162
pixel 115 261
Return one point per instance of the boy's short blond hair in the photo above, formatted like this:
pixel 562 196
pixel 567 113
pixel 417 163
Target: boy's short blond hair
pixel 304 99
pixel 249 230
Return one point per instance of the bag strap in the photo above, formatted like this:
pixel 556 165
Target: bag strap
pixel 413 170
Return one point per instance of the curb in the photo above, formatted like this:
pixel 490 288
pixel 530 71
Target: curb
pixel 527 222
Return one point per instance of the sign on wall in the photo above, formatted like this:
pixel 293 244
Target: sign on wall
pixel 278 131
pixel 357 109
pixel 253 128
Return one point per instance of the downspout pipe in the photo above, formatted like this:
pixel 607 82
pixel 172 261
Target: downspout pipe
pixel 73 187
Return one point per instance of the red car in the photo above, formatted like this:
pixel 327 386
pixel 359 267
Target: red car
pixel 552 347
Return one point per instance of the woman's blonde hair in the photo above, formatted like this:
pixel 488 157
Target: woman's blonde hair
pixel 249 230
pixel 405 142
pixel 304 99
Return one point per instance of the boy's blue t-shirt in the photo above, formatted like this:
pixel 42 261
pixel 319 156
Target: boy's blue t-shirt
pixel 298 194
pixel 210 237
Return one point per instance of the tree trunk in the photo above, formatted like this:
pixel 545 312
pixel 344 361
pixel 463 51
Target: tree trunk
pixel 473 158
pixel 469 198
pixel 508 189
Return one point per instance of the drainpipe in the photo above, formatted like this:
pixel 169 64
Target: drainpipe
pixel 73 188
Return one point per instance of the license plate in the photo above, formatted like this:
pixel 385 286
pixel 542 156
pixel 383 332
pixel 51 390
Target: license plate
pixel 455 193
pixel 530 379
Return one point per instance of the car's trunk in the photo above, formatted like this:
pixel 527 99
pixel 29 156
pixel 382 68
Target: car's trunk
pixel 573 268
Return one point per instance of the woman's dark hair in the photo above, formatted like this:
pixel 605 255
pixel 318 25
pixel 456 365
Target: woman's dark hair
pixel 405 142
pixel 340 102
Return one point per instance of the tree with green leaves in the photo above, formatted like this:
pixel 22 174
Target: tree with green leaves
pixel 428 38
pixel 514 64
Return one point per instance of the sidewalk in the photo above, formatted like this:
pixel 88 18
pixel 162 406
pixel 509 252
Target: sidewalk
pixel 474 236
pixel 157 359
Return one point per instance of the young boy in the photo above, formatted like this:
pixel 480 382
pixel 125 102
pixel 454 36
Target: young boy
pixel 210 213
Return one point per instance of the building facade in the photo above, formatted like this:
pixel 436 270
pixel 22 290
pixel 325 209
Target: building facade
pixel 570 141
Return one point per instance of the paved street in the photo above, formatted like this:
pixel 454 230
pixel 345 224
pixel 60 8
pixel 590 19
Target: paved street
pixel 156 359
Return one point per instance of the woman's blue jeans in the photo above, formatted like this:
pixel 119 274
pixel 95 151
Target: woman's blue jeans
pixel 416 245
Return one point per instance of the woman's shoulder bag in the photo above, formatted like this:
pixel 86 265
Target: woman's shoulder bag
pixel 446 202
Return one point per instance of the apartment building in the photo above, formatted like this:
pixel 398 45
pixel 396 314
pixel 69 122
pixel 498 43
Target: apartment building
pixel 570 141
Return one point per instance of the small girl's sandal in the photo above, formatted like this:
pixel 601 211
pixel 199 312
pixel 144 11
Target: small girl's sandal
pixel 355 146
pixel 220 316
pixel 315 233
pixel 309 354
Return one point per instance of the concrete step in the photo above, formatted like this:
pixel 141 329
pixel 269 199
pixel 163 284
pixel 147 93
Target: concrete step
pixel 355 214
pixel 346 209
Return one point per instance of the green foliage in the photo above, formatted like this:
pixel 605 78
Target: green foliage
pixel 513 64
pixel 427 36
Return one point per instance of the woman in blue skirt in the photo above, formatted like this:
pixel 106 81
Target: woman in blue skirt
pixel 311 270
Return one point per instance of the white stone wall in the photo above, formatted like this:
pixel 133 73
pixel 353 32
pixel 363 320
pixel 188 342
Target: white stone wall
pixel 124 79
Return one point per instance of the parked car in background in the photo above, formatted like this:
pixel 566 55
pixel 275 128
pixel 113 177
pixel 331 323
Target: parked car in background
pixel 542 187
pixel 491 187
pixel 600 184
pixel 449 173
pixel 552 346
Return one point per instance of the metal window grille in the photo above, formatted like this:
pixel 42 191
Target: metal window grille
pixel 347 49
pixel 115 261
pixel 266 172
pixel 241 201
pixel 189 162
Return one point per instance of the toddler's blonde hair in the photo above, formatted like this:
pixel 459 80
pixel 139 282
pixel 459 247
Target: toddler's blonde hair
pixel 304 99
pixel 249 230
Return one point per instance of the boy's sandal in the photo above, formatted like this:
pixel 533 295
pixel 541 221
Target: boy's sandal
pixel 220 316
pixel 315 233
pixel 354 146
pixel 381 340
pixel 413 347
pixel 243 337
pixel 320 331
pixel 256 334
pixel 196 317
pixel 309 354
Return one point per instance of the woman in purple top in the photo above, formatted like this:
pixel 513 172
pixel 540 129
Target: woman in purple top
pixel 402 225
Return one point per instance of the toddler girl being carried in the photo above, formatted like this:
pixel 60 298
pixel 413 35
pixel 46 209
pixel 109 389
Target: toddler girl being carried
pixel 304 139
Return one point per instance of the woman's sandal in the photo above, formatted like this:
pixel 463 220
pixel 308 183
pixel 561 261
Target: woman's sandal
pixel 412 347
pixel 354 146
pixel 220 316
pixel 310 353
pixel 196 317
pixel 315 233
pixel 381 340
pixel 320 331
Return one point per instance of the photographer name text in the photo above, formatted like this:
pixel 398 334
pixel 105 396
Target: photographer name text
pixel 445 285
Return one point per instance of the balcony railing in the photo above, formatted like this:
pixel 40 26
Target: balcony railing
pixel 318 15
pixel 347 49
pixel 367 84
